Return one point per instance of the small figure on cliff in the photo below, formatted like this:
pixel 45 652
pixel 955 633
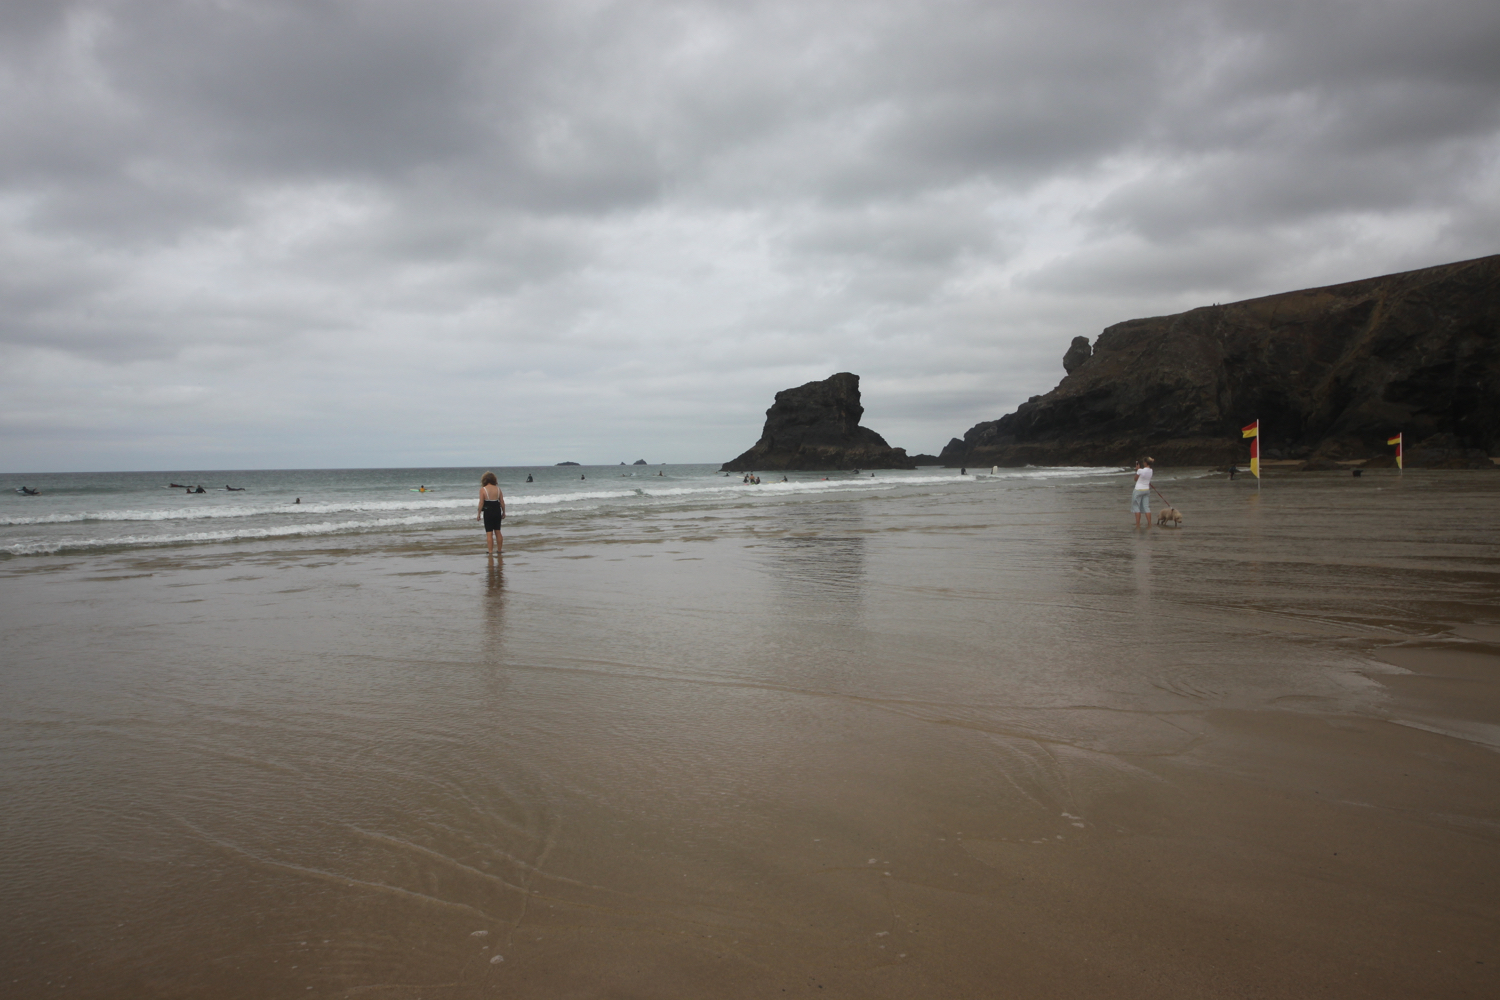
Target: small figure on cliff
pixel 1140 497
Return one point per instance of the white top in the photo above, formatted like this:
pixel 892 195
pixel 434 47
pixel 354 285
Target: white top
pixel 1143 478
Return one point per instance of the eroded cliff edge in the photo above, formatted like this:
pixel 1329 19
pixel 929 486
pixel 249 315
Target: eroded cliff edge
pixel 815 427
pixel 1330 373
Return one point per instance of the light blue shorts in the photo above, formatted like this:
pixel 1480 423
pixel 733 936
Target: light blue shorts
pixel 1140 502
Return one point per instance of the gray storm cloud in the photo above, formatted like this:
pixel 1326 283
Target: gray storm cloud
pixel 366 233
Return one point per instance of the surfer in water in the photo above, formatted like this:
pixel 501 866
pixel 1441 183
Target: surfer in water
pixel 491 512
pixel 233 489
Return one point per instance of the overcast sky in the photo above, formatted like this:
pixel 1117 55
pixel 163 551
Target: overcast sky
pixel 292 233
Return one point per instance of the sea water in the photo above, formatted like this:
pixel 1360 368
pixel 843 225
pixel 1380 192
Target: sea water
pixel 92 511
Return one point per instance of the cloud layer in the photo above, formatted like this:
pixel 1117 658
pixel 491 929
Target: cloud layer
pixel 292 233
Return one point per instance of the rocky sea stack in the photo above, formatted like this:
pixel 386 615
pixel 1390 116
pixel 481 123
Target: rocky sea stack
pixel 815 428
pixel 1329 372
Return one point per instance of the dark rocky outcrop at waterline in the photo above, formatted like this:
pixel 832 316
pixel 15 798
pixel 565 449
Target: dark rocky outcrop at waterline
pixel 1331 373
pixel 815 427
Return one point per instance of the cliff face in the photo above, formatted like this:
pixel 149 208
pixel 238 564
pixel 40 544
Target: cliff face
pixel 815 427
pixel 1330 372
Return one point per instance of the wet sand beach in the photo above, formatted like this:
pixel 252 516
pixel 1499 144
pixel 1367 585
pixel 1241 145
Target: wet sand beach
pixel 942 743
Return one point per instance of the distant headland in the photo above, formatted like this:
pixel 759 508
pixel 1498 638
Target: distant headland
pixel 1331 373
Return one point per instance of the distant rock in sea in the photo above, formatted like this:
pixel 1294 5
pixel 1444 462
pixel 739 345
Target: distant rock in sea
pixel 815 427
pixel 1331 373
pixel 926 460
pixel 559 464
pixel 639 461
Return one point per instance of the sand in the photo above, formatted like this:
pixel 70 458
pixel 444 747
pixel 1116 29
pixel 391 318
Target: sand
pixel 980 744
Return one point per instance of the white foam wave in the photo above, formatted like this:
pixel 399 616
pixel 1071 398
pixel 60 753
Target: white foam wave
pixel 283 508
pixel 55 546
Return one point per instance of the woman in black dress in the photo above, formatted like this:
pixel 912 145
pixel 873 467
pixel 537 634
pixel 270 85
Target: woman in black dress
pixel 491 511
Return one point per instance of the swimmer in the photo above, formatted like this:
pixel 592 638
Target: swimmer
pixel 528 478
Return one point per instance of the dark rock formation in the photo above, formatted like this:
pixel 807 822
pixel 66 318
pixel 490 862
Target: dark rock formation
pixel 1330 372
pixel 639 461
pixel 926 460
pixel 1078 352
pixel 566 463
pixel 815 427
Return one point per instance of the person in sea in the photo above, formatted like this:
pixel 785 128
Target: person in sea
pixel 491 512
pixel 1140 497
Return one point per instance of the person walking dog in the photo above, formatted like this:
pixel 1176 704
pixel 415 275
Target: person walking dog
pixel 1140 498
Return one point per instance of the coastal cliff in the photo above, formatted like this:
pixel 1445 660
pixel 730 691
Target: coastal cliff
pixel 815 427
pixel 1329 372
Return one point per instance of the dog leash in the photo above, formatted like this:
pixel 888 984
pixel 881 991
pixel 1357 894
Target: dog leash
pixel 1163 497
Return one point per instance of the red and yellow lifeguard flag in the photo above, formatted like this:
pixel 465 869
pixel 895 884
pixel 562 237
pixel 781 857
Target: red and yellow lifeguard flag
pixel 1397 442
pixel 1252 431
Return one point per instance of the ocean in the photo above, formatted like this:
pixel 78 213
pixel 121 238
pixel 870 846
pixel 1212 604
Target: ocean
pixel 113 511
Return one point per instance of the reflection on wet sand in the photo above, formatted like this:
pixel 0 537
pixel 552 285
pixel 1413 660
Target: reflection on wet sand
pixel 938 747
pixel 819 571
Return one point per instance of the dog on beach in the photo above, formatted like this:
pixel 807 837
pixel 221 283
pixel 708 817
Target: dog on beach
pixel 1169 515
